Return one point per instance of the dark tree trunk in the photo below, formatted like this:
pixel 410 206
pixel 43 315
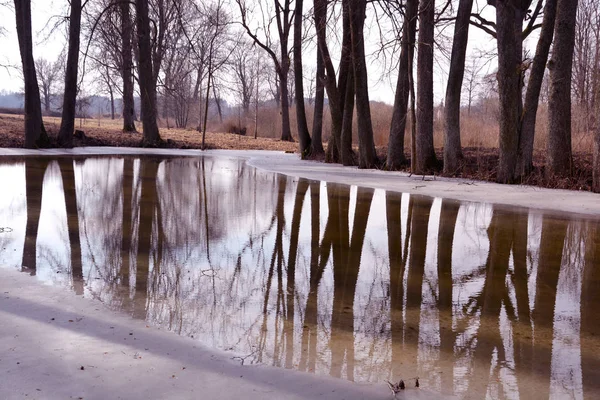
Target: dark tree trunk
pixel 335 92
pixel 596 162
pixel 366 146
pixel 452 145
pixel 534 87
pixel 127 69
pixel 67 124
pixel 509 19
pixel 425 153
pixel 112 102
pixel 345 146
pixel 286 133
pixel 559 154
pixel 317 128
pixel 395 156
pixel 146 80
pixel 303 135
pixel 35 133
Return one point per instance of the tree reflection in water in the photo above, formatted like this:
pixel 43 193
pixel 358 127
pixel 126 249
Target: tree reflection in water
pixel 353 282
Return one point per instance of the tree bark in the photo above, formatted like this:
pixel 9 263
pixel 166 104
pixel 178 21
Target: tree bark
pixel 366 145
pixel 35 133
pixel 345 146
pixel 395 156
pixel 452 145
pixel 146 80
pixel 286 133
pixel 509 19
pixel 317 128
pixel 559 154
pixel 425 152
pixel 303 135
pixel 534 87
pixel 67 124
pixel 127 69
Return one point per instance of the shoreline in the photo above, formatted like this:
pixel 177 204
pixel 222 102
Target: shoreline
pixel 581 203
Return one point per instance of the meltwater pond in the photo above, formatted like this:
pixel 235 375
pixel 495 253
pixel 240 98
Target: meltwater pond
pixel 476 300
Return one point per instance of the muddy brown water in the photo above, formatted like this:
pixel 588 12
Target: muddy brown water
pixel 474 299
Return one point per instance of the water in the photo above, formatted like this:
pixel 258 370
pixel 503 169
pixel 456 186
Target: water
pixel 476 300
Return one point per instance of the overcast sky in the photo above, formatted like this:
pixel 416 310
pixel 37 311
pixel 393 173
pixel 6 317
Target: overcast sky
pixel 48 43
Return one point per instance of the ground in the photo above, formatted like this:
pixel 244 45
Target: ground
pixel 479 163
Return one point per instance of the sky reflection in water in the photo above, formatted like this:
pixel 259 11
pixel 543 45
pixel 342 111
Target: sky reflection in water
pixel 367 285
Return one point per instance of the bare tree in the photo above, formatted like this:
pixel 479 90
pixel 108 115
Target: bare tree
pixel 127 67
pixel 366 144
pixel 283 18
pixel 317 128
pixel 534 87
pixel 48 73
pixel 452 145
pixel 146 73
pixel 559 153
pixel 395 157
pixel 67 124
pixel 35 133
pixel 425 153
pixel 303 135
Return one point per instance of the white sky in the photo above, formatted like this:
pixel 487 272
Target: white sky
pixel 48 44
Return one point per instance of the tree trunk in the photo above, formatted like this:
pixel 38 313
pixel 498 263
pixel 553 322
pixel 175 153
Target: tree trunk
pixel 146 81
pixel 303 135
pixel 35 133
pixel 286 133
pixel 452 145
pixel 317 129
pixel 112 102
pixel 395 156
pixel 345 147
pixel 559 155
pixel 127 69
pixel 508 31
pixel 366 146
pixel 534 87
pixel 67 124
pixel 217 103
pixel 425 153
pixel 335 92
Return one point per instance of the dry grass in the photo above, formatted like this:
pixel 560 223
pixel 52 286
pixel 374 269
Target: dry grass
pixel 106 132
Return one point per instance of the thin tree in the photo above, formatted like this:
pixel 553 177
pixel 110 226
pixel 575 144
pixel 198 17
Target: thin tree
pixel 366 145
pixel 534 87
pixel 48 73
pixel 127 67
pixel 452 145
pixel 283 18
pixel 304 140
pixel 35 133
pixel 559 153
pixel 67 124
pixel 317 128
pixel 395 156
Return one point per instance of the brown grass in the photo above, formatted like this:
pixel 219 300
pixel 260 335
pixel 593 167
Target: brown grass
pixel 106 132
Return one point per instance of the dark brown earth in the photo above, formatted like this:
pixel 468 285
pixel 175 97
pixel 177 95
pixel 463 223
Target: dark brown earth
pixel 479 163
